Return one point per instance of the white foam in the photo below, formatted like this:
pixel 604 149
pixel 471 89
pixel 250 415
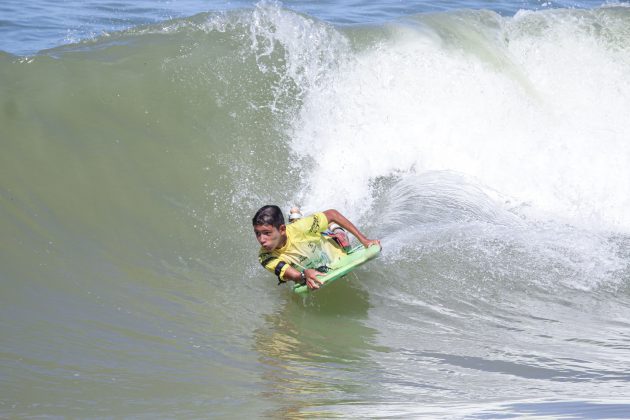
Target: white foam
pixel 543 121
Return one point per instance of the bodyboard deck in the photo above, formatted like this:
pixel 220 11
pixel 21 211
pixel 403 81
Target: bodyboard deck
pixel 343 266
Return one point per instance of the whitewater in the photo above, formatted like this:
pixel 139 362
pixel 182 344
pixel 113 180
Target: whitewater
pixel 487 146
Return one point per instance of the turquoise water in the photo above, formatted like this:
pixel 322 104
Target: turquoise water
pixel 486 145
pixel 26 28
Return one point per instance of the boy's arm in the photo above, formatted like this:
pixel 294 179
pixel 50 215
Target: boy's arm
pixel 310 276
pixel 288 273
pixel 334 216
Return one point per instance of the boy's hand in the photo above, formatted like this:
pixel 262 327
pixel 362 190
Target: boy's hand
pixel 312 281
pixel 370 242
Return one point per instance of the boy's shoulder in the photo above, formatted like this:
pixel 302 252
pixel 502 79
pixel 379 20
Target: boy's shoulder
pixel 314 224
pixel 263 254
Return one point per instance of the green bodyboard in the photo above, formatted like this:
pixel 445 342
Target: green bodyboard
pixel 343 266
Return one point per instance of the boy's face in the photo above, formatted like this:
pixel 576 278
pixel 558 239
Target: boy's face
pixel 270 237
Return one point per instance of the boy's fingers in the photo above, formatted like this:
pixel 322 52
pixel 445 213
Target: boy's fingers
pixel 314 282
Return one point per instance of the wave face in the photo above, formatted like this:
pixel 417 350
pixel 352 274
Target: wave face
pixel 489 153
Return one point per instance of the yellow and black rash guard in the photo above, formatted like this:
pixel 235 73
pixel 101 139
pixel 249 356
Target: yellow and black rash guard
pixel 305 247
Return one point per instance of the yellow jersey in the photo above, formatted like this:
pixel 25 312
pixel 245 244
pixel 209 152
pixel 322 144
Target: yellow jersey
pixel 305 247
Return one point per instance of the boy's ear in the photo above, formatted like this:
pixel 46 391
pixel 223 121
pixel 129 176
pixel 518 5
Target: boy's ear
pixel 283 229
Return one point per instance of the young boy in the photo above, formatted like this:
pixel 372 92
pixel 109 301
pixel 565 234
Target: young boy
pixel 295 251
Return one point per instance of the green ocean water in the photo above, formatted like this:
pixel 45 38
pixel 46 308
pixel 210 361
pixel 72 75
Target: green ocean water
pixel 488 153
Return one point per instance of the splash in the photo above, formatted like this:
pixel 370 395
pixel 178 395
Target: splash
pixel 531 106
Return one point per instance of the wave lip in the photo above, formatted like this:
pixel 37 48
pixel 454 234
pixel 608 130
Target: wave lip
pixel 531 106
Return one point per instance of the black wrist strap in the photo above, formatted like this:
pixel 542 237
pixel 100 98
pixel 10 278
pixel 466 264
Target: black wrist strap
pixel 278 270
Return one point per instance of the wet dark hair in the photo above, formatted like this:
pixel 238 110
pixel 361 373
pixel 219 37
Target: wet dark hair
pixel 269 215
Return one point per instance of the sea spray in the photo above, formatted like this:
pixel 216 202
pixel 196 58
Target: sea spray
pixel 542 122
